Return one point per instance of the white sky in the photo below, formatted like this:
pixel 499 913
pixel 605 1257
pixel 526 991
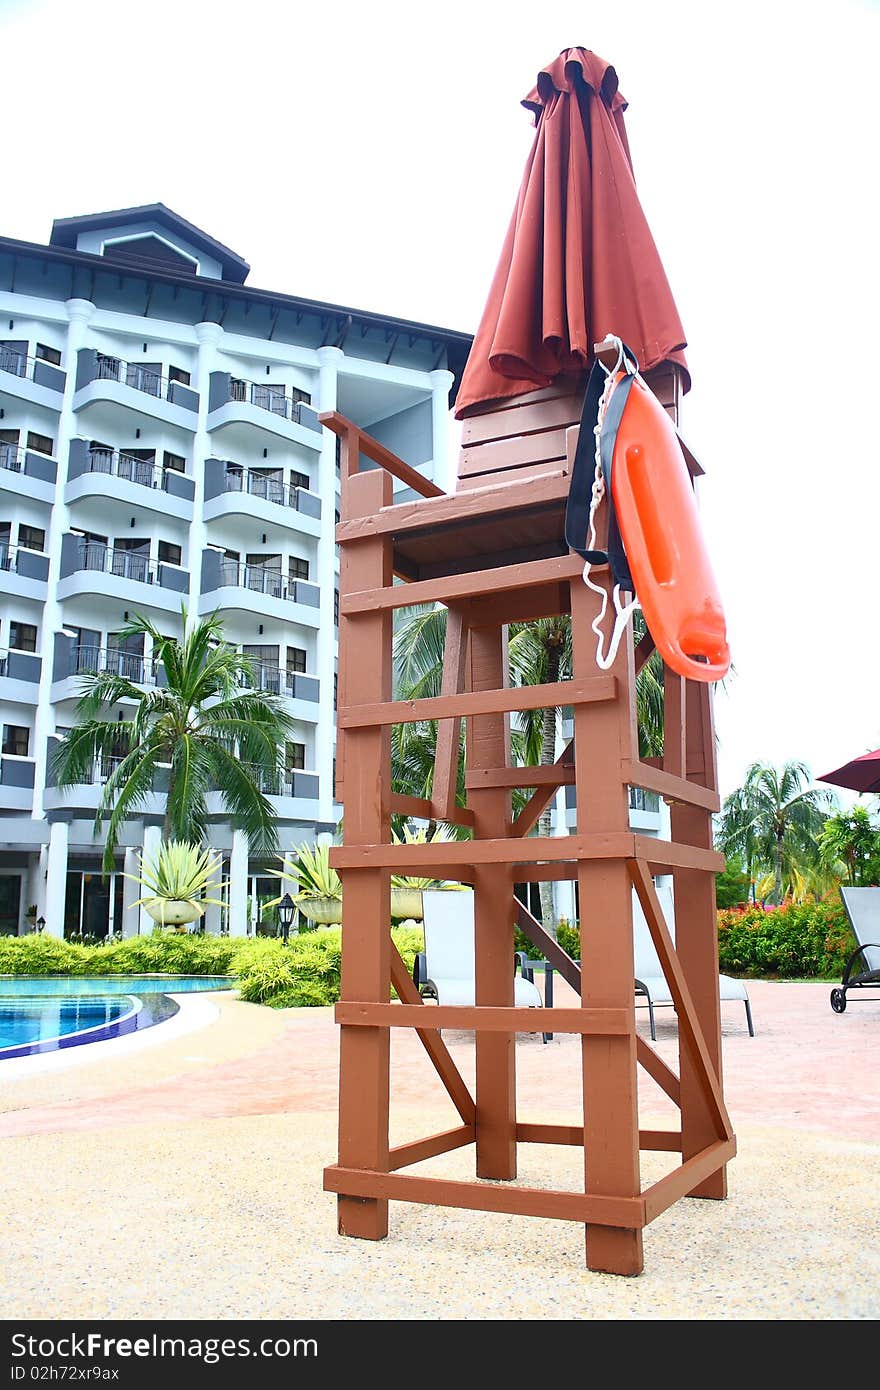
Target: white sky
pixel 370 155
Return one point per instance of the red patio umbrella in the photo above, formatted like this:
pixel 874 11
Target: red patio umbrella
pixel 579 260
pixel 859 774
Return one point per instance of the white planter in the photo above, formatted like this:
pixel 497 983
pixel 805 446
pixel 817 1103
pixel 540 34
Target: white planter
pixel 327 911
pixel 172 912
pixel 406 902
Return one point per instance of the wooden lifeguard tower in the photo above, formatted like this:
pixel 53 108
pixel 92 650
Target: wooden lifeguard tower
pixel 494 552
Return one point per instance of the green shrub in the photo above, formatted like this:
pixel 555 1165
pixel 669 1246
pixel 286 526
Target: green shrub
pixel 567 934
pixel 796 941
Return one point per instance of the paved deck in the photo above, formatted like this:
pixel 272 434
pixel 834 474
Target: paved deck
pixel 188 1176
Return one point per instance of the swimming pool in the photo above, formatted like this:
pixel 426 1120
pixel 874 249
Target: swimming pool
pixel 47 1013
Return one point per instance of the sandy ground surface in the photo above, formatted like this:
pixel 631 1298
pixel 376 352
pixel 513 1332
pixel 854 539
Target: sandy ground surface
pixel 184 1180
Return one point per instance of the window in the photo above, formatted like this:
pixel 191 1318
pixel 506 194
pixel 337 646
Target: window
pixel 296 660
pixel 169 554
pixel 40 443
pixel 15 740
pixel 335 695
pixel 22 637
pixel 31 537
pixel 299 568
pixel 298 396
pixel 336 606
pixel 49 354
pixel 9 450
pixel 299 479
pixel 178 374
pixel 295 757
pixel 176 463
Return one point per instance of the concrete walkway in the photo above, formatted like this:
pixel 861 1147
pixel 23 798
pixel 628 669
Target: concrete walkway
pixel 187 1177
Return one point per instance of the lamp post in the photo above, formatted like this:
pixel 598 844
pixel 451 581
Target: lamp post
pixel 41 922
pixel 286 910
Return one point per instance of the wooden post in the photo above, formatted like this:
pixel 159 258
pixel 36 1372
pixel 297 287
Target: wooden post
pixel 696 934
pixel 488 745
pixel 366 959
pixel 605 737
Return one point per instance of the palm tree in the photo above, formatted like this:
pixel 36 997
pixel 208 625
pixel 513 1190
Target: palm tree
pixel 539 652
pixel 203 727
pixel 849 838
pixel 774 822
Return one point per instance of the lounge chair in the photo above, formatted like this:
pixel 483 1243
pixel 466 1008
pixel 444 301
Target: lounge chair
pixel 445 970
pixel 651 982
pixel 863 910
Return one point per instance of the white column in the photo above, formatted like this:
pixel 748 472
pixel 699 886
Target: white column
pixel 208 335
pixel 445 468
pixel 563 891
pixel 152 841
pixel 56 879
pixel 212 920
pixel 131 891
pixel 330 359
pixel 79 312
pixel 238 884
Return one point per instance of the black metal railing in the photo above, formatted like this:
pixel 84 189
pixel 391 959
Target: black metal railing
pixel 273 398
pixel 136 375
pixel 272 489
pixel 144 472
pixel 642 800
pixel 12 457
pixel 131 666
pixel 275 680
pixel 17 363
pixel 127 564
pixel 8 557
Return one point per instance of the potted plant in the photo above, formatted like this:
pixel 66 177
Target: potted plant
pixel 320 888
pixel 178 879
pixel 406 889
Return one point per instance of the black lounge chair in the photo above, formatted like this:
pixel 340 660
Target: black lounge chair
pixel 863 910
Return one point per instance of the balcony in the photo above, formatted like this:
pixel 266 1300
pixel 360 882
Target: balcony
pixel 84 798
pixel 30 378
pixel 256 588
pixel 140 388
pixel 231 490
pixel 27 474
pixel 644 809
pixel 19 677
pixel 17 782
pixel 95 568
pixel 294 792
pixel 136 482
pixel 295 685
pixel 23 573
pixel 241 407
pixel 73 659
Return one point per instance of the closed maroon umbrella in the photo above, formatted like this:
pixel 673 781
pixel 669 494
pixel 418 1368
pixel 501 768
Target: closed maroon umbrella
pixel 579 261
pixel 860 774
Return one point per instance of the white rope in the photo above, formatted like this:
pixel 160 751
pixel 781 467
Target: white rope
pixel 622 611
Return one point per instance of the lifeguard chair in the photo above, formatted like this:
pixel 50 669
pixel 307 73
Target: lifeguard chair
pixel 495 552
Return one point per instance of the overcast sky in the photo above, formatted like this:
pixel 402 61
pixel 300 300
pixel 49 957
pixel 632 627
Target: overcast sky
pixel 370 155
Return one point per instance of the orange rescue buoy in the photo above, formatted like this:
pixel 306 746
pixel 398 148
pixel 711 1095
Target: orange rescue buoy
pixel 660 529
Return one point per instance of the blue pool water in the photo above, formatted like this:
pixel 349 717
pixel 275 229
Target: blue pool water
pixel 48 1013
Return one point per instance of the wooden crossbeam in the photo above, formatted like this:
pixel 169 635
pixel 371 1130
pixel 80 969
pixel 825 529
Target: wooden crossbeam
pixel 448 588
pixel 457 508
pixel 404 1155
pixel 421 809
pixel 688 1021
pixel 541 797
pixel 644 647
pixel 520 697
pixel 448 1072
pixel 627 1212
pixel 689 1175
pixel 365 444
pixel 654 779
pixel 555 775
pixel 537 849
pixel 488 1018
pixel 657 1140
